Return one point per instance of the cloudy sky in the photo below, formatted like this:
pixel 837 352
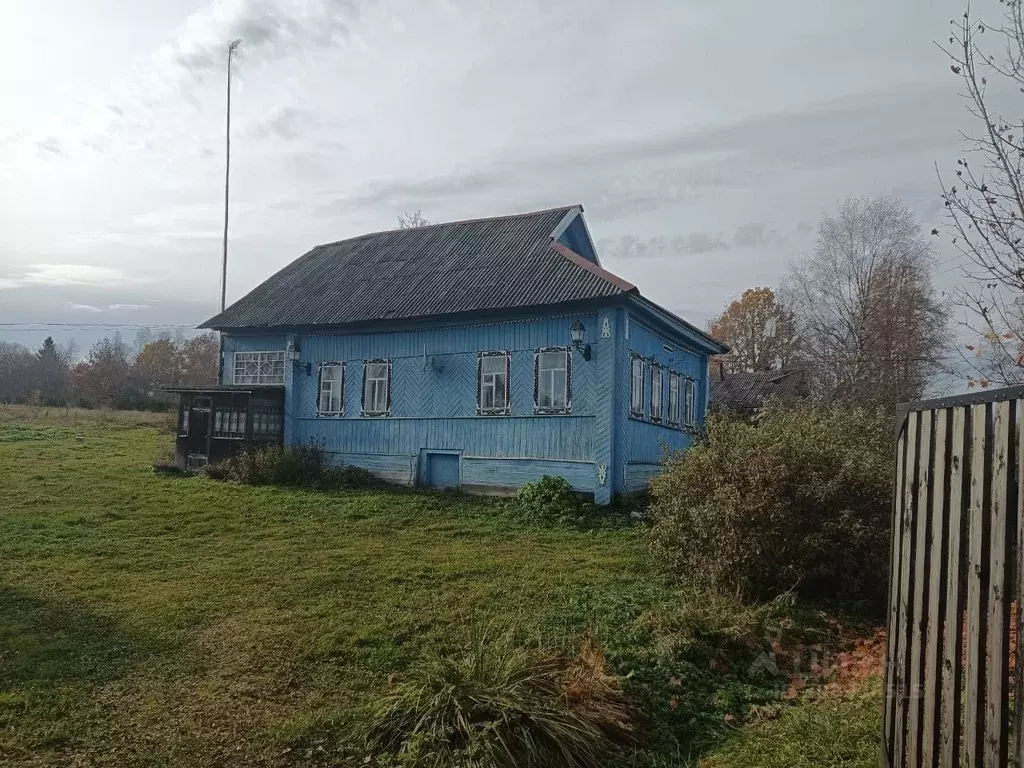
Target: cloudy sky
pixel 704 140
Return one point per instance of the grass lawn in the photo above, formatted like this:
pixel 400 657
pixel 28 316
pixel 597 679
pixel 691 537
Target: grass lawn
pixel 156 621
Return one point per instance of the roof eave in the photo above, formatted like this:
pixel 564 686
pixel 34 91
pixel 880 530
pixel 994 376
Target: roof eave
pixel 670 319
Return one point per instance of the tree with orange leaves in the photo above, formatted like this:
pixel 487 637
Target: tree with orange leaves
pixel 759 330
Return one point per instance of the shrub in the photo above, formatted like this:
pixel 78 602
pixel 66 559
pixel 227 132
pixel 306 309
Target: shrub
pixel 302 465
pixel 501 705
pixel 550 500
pixel 801 498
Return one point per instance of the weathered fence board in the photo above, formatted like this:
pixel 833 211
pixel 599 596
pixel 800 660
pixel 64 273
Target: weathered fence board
pixel 956 570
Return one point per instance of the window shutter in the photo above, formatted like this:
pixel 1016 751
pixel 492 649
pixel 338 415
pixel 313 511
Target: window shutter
pixel 387 404
pixel 479 383
pixel 363 397
pixel 320 391
pixel 536 378
pixel 508 382
pixel 568 381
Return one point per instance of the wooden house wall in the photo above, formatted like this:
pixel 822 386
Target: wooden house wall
pixel 642 444
pixel 434 402
pixel 274 342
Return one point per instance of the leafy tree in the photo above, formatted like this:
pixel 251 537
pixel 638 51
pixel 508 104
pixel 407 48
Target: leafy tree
pixel 105 378
pixel 17 368
pixel 984 192
pixel 200 357
pixel 872 330
pixel 158 364
pixel 759 330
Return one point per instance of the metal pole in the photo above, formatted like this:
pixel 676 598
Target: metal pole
pixel 227 177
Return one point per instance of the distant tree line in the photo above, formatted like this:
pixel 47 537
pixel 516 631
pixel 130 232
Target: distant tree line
pixel 112 375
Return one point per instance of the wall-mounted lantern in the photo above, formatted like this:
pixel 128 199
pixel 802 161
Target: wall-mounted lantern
pixel 292 351
pixel 578 332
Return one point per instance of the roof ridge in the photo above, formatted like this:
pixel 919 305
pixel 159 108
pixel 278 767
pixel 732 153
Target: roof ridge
pixel 451 223
pixel 592 268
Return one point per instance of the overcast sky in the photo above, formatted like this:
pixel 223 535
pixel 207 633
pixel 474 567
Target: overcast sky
pixel 704 140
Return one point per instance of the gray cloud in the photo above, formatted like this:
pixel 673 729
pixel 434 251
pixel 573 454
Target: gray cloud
pixel 757 235
pixel 50 145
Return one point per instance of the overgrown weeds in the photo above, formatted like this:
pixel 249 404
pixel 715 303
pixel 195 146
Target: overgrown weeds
pixel 500 704
pixel 302 466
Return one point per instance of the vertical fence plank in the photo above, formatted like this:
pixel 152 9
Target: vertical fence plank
pixel 906 596
pixel 920 570
pixel 936 586
pixel 997 618
pixel 953 616
pixel 974 714
pixel 895 558
pixel 1019 589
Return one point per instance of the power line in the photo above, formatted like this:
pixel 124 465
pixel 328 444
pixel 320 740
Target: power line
pixel 30 326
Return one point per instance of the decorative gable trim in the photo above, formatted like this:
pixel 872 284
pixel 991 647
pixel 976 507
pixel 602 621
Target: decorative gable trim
pixel 623 285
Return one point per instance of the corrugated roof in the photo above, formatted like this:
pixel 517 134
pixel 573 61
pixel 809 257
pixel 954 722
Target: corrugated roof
pixel 441 269
pixel 748 391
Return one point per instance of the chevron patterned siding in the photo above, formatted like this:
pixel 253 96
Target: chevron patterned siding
pixel 434 400
pixel 232 344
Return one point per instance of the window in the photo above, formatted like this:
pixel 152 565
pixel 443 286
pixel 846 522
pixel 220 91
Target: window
pixel 673 399
pixel 184 421
pixel 492 375
pixel 636 387
pixel 259 367
pixel 266 423
pixel 656 399
pixel 688 409
pixel 229 423
pixel 331 401
pixel 552 385
pixel 376 387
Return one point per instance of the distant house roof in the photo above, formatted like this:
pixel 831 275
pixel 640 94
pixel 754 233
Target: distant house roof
pixel 442 269
pixel 745 391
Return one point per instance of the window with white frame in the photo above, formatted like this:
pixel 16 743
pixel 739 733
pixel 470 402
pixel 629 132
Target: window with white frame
pixel 492 375
pixel 552 380
pixel 259 367
pixel 656 394
pixel 673 398
pixel 229 423
pixel 636 387
pixel 689 411
pixel 331 401
pixel 376 387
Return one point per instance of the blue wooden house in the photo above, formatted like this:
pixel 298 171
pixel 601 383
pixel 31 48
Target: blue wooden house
pixel 474 354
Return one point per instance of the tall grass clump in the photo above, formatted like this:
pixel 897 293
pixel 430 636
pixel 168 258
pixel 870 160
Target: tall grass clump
pixel 799 499
pixel 303 465
pixel 502 705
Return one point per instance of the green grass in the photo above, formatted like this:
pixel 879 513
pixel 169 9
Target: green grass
pixel 834 731
pixel 148 620
pixel 186 621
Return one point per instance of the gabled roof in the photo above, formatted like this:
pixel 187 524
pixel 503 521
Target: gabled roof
pixel 507 262
pixel 749 391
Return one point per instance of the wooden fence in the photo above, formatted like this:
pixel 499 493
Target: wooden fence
pixel 956 570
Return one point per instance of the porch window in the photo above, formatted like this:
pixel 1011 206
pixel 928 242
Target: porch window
pixel 229 423
pixel 656 398
pixel 266 424
pixel 673 399
pixel 689 412
pixel 636 387
pixel 332 390
pixel 377 387
pixel 183 431
pixel 552 380
pixel 259 367
pixel 492 376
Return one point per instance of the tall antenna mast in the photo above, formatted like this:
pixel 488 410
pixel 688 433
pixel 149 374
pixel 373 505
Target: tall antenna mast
pixel 232 46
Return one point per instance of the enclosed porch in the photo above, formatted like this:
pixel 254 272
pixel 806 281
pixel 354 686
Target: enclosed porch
pixel 215 422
